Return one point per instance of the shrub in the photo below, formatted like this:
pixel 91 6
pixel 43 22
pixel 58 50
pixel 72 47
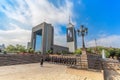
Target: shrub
pixel 89 50
pixel 31 50
pixel 78 51
pixel 49 52
pixel 64 52
pixel 107 54
pixel 117 52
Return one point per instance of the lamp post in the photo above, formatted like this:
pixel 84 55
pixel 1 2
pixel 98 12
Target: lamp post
pixel 82 32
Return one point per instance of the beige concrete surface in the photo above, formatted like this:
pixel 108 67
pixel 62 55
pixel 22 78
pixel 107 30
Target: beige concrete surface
pixel 35 72
pixel 89 74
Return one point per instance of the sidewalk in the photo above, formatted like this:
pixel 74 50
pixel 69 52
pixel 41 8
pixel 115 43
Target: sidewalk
pixel 35 72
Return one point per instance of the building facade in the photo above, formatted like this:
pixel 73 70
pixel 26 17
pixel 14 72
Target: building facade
pixel 42 37
pixel 71 38
pixel 59 49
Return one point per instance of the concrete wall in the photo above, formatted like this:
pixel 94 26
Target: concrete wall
pixel 48 35
pixel 13 59
pixel 71 46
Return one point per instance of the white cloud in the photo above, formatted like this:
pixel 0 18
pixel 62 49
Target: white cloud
pixel 37 11
pixel 107 41
pixel 32 12
pixel 14 12
pixel 15 36
pixel 45 11
pixel 60 40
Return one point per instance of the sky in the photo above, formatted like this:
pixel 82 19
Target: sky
pixel 101 17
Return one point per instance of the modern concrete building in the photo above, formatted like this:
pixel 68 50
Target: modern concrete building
pixel 59 49
pixel 71 38
pixel 42 37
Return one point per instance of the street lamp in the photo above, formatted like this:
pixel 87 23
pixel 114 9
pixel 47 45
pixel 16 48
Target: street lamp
pixel 82 32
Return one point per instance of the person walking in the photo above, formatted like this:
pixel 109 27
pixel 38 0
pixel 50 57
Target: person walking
pixel 41 61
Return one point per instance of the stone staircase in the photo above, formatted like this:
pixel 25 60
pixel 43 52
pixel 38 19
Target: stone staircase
pixel 13 59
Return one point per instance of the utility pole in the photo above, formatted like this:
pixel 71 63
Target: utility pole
pixel 95 46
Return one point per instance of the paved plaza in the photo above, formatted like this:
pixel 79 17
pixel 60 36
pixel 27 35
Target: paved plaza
pixel 35 72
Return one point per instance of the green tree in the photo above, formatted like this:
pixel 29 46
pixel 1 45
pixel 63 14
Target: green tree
pixel 20 48
pixel 107 53
pixel 78 51
pixel 112 52
pixel 11 48
pixel 117 52
pixel 15 49
pixel 49 52
pixel 31 50
pixel 89 50
pixel 100 48
pixel 64 52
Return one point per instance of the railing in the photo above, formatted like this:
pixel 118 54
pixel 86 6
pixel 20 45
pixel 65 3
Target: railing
pixel 82 62
pixel 65 60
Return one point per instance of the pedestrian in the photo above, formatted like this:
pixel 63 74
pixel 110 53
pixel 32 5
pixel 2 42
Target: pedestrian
pixel 41 61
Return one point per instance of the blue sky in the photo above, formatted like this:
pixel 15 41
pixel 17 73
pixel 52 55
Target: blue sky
pixel 38 42
pixel 101 17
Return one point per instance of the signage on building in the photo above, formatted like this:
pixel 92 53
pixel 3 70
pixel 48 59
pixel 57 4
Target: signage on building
pixel 70 36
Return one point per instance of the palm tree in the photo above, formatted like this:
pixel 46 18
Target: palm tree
pixel 82 32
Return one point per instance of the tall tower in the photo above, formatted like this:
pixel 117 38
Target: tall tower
pixel 71 37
